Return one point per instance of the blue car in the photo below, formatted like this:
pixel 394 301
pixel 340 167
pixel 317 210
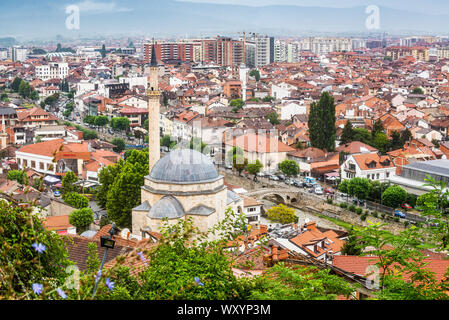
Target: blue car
pixel 399 214
pixel 57 193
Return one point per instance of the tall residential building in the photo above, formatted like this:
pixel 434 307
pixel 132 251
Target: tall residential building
pixel 53 70
pixel 181 51
pixel 326 45
pixel 17 53
pixel 262 50
pixel 280 51
pixel 224 51
pixel 397 52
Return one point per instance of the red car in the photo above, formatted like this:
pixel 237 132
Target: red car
pixel 329 191
pixel 406 206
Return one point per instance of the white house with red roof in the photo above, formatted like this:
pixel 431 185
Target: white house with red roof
pixel 368 165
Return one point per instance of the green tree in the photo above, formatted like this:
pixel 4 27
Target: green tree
pixel 237 104
pixel 81 219
pixel 76 200
pixel 273 117
pixel 289 167
pixel 378 127
pixel 255 73
pixel 396 141
pixel 166 141
pixel 119 143
pixel 362 135
pixel 348 133
pixel 300 283
pixel 321 123
pixel 124 192
pixel 34 95
pixel 92 261
pixel 101 121
pixel 68 183
pixel 254 168
pixel 16 84
pixel 268 99
pixel 359 187
pixel 106 177
pixel 394 196
pixel 352 246
pixel 18 175
pixel 418 90
pixel 381 142
pixel 4 97
pixel 120 123
pixel 25 89
pixel 282 214
pixel 20 264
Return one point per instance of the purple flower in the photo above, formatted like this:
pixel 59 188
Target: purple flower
pixel 198 282
pixel 110 284
pixel 98 276
pixel 61 293
pixel 37 288
pixel 39 247
pixel 142 258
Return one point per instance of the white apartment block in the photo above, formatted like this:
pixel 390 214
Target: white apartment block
pixel 322 46
pixel 17 54
pixel 53 70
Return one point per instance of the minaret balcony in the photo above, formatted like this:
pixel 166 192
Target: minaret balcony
pixel 153 93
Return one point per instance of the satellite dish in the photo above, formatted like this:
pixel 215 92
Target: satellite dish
pixel 125 233
pixel 307 220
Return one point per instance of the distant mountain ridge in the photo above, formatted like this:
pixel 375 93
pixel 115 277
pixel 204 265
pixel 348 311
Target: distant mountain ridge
pixel 153 17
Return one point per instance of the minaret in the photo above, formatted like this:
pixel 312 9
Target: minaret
pixel 154 95
pixel 3 134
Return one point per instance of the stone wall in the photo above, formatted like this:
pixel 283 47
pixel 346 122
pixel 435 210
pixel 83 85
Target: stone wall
pixel 59 208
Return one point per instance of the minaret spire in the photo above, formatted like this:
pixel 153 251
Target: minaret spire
pixel 154 97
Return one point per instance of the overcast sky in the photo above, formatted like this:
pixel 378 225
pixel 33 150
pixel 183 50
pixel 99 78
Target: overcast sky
pixel 430 6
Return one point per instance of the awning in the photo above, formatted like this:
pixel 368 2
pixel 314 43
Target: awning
pixel 326 169
pixel 51 180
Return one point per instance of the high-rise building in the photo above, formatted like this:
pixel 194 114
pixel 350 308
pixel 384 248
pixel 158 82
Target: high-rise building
pixel 17 53
pixel 326 45
pixel 180 51
pixel 53 70
pixel 262 50
pixel 223 51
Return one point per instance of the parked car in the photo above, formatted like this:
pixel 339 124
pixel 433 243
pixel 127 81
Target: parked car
pixel 406 206
pixel 298 183
pixel 398 213
pixel 358 202
pixel 228 166
pixel 318 190
pixel 274 178
pixel 281 176
pixel 57 193
pixel 261 174
pixel 288 181
pixel 329 191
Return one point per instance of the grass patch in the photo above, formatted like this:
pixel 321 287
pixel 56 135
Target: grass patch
pixel 338 222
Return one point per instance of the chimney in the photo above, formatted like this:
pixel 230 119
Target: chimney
pixel 274 252
pixel 311 226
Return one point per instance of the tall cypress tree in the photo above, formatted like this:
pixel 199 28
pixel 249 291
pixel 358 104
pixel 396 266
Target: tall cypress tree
pixel 348 133
pixel 322 123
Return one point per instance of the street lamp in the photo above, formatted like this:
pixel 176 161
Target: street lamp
pixel 108 243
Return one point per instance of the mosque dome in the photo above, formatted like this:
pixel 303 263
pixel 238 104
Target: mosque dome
pixel 184 166
pixel 168 207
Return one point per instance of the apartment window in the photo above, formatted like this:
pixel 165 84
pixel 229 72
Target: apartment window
pixel 388 174
pixel 41 165
pixel 377 176
pixel 25 163
pixel 33 164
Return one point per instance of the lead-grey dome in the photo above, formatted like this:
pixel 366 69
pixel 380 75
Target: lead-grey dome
pixel 168 207
pixel 184 166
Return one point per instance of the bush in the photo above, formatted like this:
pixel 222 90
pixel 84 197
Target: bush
pixel 367 212
pixel 329 201
pixel 81 219
pixel 374 213
pixel 352 208
pixel 343 205
pixel 358 210
pixel 394 196
pixel 396 219
pixel 363 217
pixel 282 214
pixel 76 200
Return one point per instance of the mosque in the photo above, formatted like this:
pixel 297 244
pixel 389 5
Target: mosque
pixel 184 183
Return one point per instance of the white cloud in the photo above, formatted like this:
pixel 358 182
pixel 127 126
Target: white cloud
pixel 100 7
